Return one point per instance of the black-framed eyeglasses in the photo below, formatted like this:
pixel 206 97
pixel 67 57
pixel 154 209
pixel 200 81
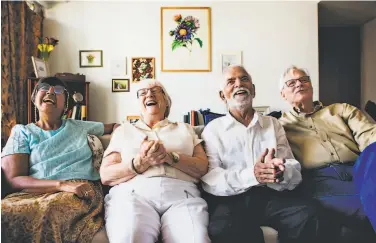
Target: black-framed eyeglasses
pixel 58 89
pixel 154 90
pixel 303 79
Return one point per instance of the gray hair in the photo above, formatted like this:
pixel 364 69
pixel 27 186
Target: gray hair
pixel 149 83
pixel 287 71
pixel 228 69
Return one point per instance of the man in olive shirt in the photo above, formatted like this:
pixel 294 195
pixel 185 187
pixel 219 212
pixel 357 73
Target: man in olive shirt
pixel 327 141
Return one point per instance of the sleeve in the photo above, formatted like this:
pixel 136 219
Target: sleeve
pixel 363 130
pixel 18 142
pixel 93 128
pixel 220 181
pixel 292 175
pixel 196 140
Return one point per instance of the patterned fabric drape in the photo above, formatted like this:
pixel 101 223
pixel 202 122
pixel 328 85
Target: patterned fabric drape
pixel 20 29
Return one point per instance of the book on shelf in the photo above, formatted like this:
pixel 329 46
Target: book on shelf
pixel 200 117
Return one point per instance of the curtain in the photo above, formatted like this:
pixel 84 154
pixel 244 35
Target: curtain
pixel 20 29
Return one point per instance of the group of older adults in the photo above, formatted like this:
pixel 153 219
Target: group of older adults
pixel 294 174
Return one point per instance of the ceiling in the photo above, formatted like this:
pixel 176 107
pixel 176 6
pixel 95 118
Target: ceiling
pixel 346 13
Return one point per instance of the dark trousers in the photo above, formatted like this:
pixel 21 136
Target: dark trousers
pixel 334 188
pixel 238 218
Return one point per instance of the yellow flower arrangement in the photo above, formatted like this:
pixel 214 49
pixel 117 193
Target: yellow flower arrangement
pixel 46 46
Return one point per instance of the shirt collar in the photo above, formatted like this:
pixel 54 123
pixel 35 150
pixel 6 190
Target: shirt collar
pixel 142 125
pixel 317 105
pixel 231 121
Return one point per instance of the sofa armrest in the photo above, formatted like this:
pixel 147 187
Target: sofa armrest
pixel 105 140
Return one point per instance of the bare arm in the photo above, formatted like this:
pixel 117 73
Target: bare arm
pixel 16 170
pixel 195 165
pixel 113 171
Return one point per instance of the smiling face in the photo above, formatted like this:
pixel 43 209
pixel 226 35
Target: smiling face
pixel 50 99
pixel 152 101
pixel 238 91
pixel 301 91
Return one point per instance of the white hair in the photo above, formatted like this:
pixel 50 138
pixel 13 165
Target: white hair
pixel 287 71
pixel 228 69
pixel 149 83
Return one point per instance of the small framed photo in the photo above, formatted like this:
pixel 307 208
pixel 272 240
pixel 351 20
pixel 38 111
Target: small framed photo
pixel 142 68
pixel 91 58
pixel 133 119
pixel 40 67
pixel 231 58
pixel 263 110
pixel 120 85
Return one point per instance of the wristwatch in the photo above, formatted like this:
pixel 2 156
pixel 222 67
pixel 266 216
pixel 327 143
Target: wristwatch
pixel 175 157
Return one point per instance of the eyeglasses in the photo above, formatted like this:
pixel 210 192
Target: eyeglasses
pixel 143 92
pixel 291 83
pixel 44 87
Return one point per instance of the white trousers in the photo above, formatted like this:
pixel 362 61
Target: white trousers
pixel 142 209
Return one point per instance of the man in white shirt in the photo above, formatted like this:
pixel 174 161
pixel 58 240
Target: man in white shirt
pixel 250 164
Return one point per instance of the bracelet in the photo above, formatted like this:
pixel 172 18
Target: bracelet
pixel 134 168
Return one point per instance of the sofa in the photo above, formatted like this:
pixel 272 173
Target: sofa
pixel 270 234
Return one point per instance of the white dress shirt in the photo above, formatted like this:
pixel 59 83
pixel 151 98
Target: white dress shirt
pixel 233 150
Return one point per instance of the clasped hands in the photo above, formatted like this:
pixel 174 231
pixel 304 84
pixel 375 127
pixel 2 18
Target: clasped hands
pixel 268 168
pixel 153 153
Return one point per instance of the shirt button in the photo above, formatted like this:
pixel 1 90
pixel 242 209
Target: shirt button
pixel 311 127
pixel 332 154
pixel 324 141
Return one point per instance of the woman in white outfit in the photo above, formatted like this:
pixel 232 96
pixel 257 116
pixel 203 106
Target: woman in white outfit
pixel 153 166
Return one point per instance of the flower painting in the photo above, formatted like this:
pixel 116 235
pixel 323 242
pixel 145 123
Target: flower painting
pixel 186 39
pixel 185 32
pixel 91 58
pixel 142 68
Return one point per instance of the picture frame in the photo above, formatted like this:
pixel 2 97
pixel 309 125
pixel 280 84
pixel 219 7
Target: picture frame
pixel 133 119
pixel 189 49
pixel 142 68
pixel 263 110
pixel 40 67
pixel 91 58
pixel 119 67
pixel 231 58
pixel 120 85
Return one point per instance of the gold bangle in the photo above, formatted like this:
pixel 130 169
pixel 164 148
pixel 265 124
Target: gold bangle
pixel 134 168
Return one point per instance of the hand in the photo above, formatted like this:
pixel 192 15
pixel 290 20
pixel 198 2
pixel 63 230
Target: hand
pixel 269 169
pixel 156 155
pixel 81 189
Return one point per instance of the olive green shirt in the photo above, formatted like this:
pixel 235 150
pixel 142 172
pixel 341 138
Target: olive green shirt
pixel 334 133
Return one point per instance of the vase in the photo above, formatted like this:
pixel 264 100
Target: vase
pixel 44 55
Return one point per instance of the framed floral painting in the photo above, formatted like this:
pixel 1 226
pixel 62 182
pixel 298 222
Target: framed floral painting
pixel 91 58
pixel 186 39
pixel 142 68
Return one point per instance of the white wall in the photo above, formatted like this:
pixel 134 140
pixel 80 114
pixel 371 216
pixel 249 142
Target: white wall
pixel 368 63
pixel 272 35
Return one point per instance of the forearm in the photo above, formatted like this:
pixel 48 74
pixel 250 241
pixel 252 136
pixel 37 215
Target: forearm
pixel 116 173
pixel 193 166
pixel 228 182
pixel 30 184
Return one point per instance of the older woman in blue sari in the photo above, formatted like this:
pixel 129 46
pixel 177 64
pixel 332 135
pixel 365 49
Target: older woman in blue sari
pixel 48 163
